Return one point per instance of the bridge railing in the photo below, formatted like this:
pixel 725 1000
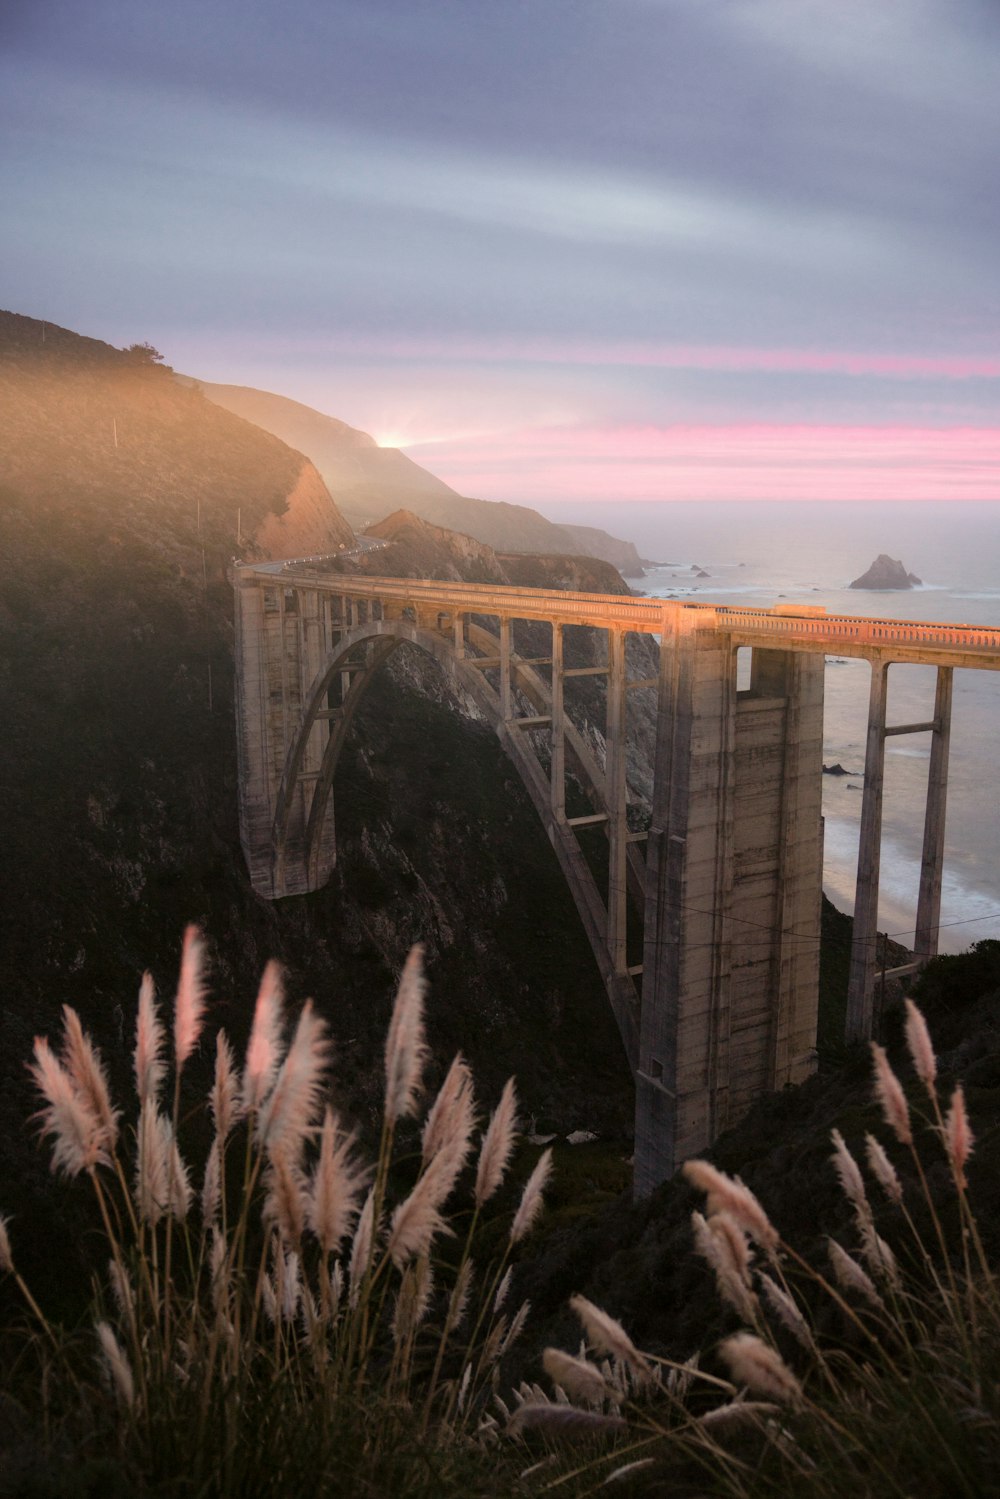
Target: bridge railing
pixel 653 616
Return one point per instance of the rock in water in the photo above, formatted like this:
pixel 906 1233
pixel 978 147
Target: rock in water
pixel 886 572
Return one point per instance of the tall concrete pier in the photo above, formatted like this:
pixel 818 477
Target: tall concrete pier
pixel 705 927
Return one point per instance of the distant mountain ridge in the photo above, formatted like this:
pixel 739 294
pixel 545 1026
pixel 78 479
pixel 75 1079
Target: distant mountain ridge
pixel 369 482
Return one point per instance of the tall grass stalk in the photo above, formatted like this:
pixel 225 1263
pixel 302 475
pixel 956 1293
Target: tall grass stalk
pixel 881 1377
pixel 300 1291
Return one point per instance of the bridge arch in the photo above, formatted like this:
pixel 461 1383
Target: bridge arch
pixel 303 837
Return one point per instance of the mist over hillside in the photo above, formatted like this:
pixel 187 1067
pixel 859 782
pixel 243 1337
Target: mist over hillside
pixel 369 482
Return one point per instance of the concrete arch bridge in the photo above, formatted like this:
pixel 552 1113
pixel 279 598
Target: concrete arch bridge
pixel 705 926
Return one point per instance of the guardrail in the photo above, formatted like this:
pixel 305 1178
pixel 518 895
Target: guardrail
pixel 654 616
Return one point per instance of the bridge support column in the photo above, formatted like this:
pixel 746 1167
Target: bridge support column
pixel 506 697
pixel 557 768
pixel 734 881
pixel 925 941
pixel 861 983
pixel 615 800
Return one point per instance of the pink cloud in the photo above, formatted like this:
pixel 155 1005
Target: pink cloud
pixel 793 462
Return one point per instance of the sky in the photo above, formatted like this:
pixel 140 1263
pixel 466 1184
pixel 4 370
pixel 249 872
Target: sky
pixel 559 250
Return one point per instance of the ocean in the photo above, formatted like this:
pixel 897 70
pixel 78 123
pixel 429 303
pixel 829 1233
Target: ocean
pixel 762 555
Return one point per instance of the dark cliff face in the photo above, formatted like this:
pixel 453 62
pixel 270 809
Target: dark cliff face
pixel 118 770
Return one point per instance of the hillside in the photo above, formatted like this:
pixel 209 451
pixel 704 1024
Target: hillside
pixel 369 482
pixel 91 432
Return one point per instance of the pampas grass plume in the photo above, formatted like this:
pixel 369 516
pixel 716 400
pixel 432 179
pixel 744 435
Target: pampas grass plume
pixel 958 1136
pixel 883 1170
pixel 68 1117
pixel 606 1335
pixel 850 1276
pixel 336 1185
pixel 149 1038
pixel 531 1203
pixel 498 1144
pixel 189 1006
pixel 918 1041
pixel 293 1104
pixel 730 1195
pixel 264 1046
pixel 890 1095
pixel 580 1379
pixel 753 1363
pixel 118 1365
pixel 84 1067
pixel 405 1047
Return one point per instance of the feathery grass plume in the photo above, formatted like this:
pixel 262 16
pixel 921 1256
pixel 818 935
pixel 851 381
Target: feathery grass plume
pixel 459 1299
pixel 883 1170
pixel 891 1097
pixel 498 1144
pixel 179 1185
pixel 753 1363
pixel 851 1277
pixel 413 1300
pixel 291 1286
pixel 503 1289
pixel 786 1311
pixel 189 1005
pixel 958 1136
pixel 628 1470
pixel 152 1164
pixel 285 1202
pixel 608 1336
pixel 918 1041
pixel 118 1365
pixel 361 1247
pixel 416 1221
pixel 514 1331
pixel 6 1256
pixel 121 1289
pixel 149 1039
pixel 212 1182
pixel 68 1116
pixel 405 1048
pixel 736 1413
pixel 730 1195
pixel 450 1121
pixel 83 1064
pixel 722 1243
pixel 264 1046
pixel 293 1104
pixel 532 1202
pixel 269 1299
pixel 335 1186
pixel 224 1095
pixel 581 1379
pixel 566 1421
pixel 879 1258
pixel 848 1174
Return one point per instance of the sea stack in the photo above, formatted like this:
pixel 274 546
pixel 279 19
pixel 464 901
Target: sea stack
pixel 886 572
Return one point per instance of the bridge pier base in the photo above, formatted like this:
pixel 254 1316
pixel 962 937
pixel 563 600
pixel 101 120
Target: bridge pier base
pixel 734 885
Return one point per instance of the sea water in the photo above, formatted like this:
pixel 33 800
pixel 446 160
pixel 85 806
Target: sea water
pixel 762 555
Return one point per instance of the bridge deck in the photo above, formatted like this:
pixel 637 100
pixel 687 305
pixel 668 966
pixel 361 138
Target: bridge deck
pixel 783 628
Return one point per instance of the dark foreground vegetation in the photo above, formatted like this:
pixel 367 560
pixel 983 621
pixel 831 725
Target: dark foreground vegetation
pixel 272 1313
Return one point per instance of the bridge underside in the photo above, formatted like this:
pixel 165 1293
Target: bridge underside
pixel 704 918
